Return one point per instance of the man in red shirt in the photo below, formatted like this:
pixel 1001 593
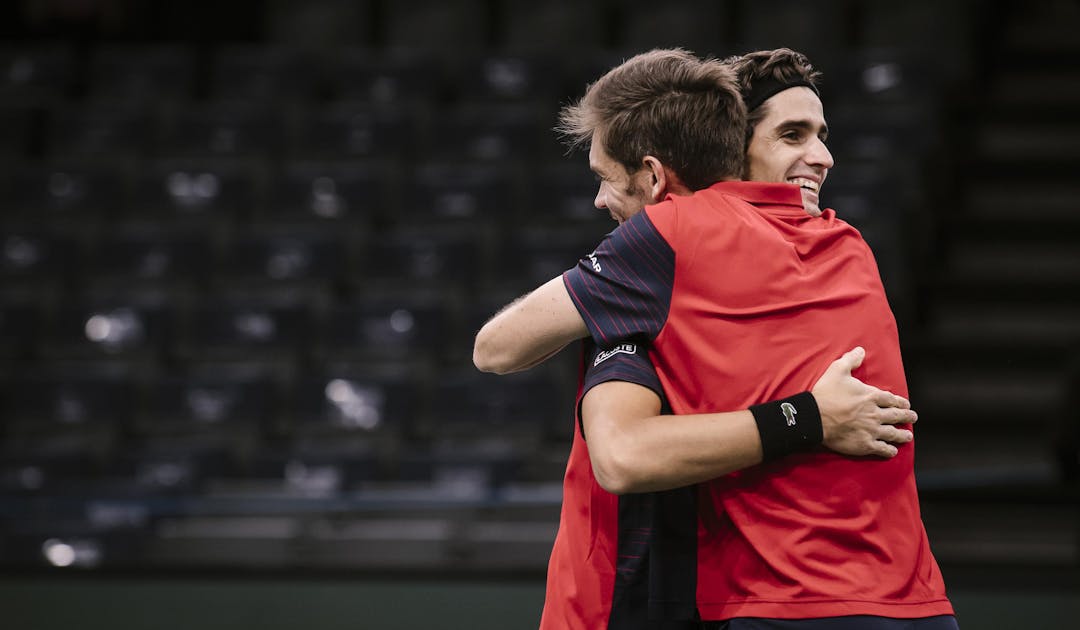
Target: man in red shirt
pixel 760 290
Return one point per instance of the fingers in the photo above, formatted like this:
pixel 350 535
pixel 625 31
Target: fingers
pixel 886 446
pixel 885 450
pixel 852 359
pixel 892 415
pixel 892 435
pixel 888 399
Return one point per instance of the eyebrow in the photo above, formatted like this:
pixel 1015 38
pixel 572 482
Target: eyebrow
pixel 803 125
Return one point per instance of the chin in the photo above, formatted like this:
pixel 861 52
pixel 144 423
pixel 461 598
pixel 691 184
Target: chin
pixel 813 208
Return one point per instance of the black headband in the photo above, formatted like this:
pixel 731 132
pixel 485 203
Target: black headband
pixel 765 89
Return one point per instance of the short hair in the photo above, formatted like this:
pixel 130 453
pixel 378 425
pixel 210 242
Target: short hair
pixel 685 111
pixel 780 65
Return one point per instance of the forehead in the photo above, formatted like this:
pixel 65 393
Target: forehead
pixel 598 155
pixel 797 103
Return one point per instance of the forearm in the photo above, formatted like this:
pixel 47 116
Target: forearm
pixel 529 330
pixel 665 452
pixel 635 449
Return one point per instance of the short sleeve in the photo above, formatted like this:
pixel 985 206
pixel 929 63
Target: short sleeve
pixel 623 289
pixel 628 362
pixel 625 362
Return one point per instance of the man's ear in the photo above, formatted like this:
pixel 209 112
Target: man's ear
pixel 656 178
pixel 661 180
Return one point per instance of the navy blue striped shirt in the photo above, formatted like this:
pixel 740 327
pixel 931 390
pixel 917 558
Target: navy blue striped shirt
pixel 623 289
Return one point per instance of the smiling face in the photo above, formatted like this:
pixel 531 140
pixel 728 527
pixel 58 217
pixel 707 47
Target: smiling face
pixel 621 193
pixel 788 145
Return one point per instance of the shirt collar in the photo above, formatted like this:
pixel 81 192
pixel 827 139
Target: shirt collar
pixel 777 196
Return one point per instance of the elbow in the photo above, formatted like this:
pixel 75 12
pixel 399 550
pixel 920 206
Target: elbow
pixel 486 358
pixel 616 473
pixel 613 484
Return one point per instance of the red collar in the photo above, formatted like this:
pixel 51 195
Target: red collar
pixel 780 197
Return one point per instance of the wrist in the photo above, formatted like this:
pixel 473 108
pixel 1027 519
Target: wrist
pixel 789 425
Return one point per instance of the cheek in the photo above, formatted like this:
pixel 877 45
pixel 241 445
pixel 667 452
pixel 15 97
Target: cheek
pixel 773 169
pixel 756 170
pixel 757 167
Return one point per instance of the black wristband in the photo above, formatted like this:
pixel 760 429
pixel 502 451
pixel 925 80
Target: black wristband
pixel 789 425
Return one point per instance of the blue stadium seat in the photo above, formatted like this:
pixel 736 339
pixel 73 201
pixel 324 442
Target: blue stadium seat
pixel 18 129
pixel 112 535
pixel 570 28
pixel 564 194
pixel 425 257
pixel 330 193
pixel 403 326
pixel 468 404
pixel 945 31
pixel 35 258
pixel 462 470
pixel 98 131
pixel 492 133
pixel 197 192
pixel 260 73
pixel 445 191
pixel 310 259
pixel 534 79
pixel 434 26
pixel 818 30
pixel 34 74
pixel 168 466
pixel 356 400
pixel 60 194
pixel 20 326
pixel 238 327
pixel 219 130
pixel 897 90
pixel 228 400
pixel 343 131
pixel 310 472
pixel 132 76
pixel 535 255
pixel 80 408
pixel 700 27
pixel 133 328
pixel 149 257
pixel 44 471
pixel 401 82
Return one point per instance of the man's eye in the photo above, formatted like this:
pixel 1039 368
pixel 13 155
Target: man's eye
pixel 790 135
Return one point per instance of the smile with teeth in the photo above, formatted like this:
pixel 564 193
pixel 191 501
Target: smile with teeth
pixel 806 184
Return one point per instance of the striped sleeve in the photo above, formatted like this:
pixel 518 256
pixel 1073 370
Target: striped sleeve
pixel 625 362
pixel 623 289
pixel 628 362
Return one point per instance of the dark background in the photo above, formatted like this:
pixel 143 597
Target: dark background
pixel 244 247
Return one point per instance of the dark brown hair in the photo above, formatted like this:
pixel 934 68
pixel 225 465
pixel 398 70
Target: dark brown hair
pixel 781 65
pixel 668 103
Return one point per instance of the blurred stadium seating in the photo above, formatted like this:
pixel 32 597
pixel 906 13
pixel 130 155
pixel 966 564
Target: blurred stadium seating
pixel 239 276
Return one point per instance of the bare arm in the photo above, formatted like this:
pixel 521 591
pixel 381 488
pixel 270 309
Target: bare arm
pixel 529 330
pixel 634 449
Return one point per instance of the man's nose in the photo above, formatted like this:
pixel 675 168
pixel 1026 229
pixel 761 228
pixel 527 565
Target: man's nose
pixel 600 201
pixel 819 155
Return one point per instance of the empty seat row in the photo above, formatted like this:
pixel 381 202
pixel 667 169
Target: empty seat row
pixel 353 263
pixel 126 75
pixel 375 192
pixel 270 130
pixel 235 419
pixel 154 327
